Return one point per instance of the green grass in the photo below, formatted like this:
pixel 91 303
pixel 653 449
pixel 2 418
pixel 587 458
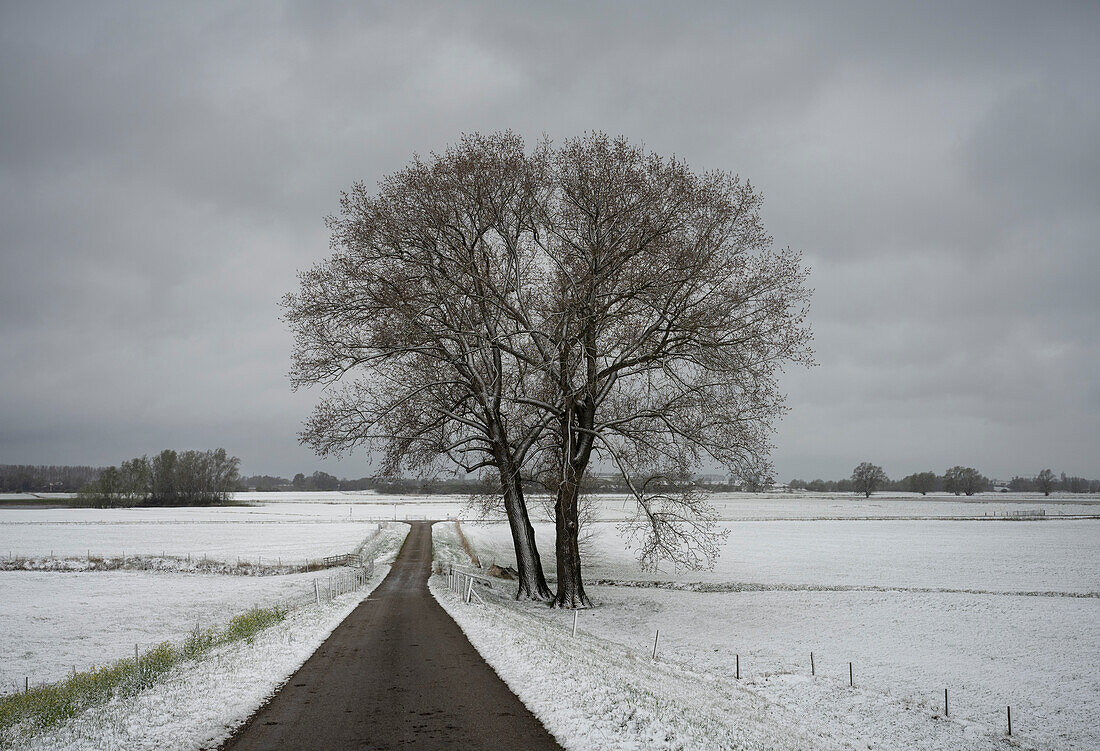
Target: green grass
pixel 49 704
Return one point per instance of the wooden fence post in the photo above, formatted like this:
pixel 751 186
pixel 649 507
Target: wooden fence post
pixel 656 637
pixel 812 664
pixel 851 678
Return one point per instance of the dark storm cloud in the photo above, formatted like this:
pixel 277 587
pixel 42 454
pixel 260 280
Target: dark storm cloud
pixel 164 171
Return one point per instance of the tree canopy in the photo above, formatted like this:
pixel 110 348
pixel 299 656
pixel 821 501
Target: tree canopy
pixel 536 313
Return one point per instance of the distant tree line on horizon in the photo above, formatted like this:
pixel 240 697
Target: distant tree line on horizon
pixel 122 482
pixel 869 478
pixel 323 481
pixel 45 478
pixel 171 478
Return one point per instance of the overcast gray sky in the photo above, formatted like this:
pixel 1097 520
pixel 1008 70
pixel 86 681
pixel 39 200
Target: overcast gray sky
pixel 165 170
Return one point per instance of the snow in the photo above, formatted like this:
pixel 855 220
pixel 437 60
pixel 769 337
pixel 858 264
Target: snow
pixel 198 704
pixel 53 621
pixel 1059 556
pixel 595 693
pixel 294 533
pixel 446 547
pixel 1039 655
pixel 378 506
pixel 917 606
pixel 816 506
pixel 810 506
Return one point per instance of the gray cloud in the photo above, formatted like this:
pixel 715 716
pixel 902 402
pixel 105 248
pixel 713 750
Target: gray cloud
pixel 164 171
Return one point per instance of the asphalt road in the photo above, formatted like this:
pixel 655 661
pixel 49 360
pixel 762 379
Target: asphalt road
pixel 398 673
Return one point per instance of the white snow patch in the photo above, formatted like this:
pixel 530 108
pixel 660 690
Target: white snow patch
pixel 942 609
pixel 594 693
pixel 221 533
pixel 200 703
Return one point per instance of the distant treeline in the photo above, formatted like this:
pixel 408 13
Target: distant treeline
pixel 320 481
pixel 134 482
pixel 41 478
pixel 971 482
pixel 1063 484
pixel 184 478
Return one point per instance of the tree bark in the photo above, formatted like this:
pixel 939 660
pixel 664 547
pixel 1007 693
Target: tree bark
pixel 575 452
pixel 532 580
pixel 570 592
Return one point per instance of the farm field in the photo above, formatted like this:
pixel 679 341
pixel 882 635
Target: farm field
pixel 764 506
pixel 291 532
pixel 1056 556
pixel 920 594
pixel 368 505
pixel 53 622
pixel 917 606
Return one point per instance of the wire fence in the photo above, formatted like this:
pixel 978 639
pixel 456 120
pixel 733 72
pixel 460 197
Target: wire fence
pixel 348 573
pixel 466 583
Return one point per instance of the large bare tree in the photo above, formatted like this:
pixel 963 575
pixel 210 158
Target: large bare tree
pixel 545 312
pixel 410 323
pixel 668 320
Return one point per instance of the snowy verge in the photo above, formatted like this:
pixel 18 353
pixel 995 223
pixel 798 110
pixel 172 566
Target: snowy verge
pixel 593 693
pixel 447 547
pixel 199 703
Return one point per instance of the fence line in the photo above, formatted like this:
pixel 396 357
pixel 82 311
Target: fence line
pixel 358 571
pixel 461 581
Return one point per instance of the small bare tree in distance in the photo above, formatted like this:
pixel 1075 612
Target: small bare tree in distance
pixel 965 480
pixel 867 478
pixel 1045 481
pixel 920 482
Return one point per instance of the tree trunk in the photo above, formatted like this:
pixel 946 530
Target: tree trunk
pixel 532 580
pixel 567 547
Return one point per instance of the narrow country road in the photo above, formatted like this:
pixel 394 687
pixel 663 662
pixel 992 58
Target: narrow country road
pixel 398 673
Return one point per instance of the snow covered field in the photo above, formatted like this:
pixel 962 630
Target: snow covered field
pixel 1056 556
pixel 199 703
pixel 998 612
pixel 54 621
pixel 292 532
pixel 596 693
pixel 805 505
pixel 917 606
